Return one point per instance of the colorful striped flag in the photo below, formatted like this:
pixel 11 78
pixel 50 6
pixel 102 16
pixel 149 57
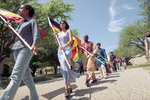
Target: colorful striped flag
pixel 76 56
pixel 15 18
pixel 11 16
pixel 75 50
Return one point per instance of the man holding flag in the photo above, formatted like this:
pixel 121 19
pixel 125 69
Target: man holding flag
pixel 88 60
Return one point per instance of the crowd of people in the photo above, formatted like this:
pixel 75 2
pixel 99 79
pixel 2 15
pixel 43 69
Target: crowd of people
pixel 29 30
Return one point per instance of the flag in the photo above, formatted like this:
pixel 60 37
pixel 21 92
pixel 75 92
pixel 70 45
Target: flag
pixel 15 18
pixel 55 25
pixel 76 56
pixel 11 16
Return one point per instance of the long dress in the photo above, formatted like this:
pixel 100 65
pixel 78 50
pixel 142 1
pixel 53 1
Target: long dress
pixel 64 68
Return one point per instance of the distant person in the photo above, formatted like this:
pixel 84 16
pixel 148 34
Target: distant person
pixel 81 67
pixel 101 55
pixel 147 43
pixel 108 71
pixel 112 60
pixel 88 60
pixel 123 60
pixel 118 61
pixel 46 71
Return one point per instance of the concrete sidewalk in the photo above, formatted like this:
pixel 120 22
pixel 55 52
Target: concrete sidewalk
pixel 131 84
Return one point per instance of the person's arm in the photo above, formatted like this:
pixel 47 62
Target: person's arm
pixel 35 34
pixel 94 50
pixel 70 40
pixel 146 47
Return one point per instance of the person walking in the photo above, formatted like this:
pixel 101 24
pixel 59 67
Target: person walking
pixel 29 30
pixel 101 55
pixel 113 62
pixel 81 67
pixel 123 60
pixel 88 60
pixel 65 39
pixel 118 61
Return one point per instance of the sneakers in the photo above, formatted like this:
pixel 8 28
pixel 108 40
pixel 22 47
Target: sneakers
pixel 94 81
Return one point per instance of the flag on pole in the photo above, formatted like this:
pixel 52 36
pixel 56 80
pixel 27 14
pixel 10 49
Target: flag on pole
pixel 55 25
pixel 11 16
pixel 15 18
pixel 76 56
pixel 75 50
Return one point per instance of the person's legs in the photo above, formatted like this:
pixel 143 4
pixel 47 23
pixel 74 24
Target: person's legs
pixel 101 73
pixel 119 66
pixel 103 70
pixel 22 58
pixel 28 80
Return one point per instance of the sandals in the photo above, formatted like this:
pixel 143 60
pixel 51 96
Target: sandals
pixel 67 93
pixel 70 90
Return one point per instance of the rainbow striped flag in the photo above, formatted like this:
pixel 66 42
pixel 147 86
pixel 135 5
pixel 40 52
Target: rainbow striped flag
pixel 75 50
pixel 15 18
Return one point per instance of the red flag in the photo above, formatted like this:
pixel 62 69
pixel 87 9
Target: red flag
pixel 15 18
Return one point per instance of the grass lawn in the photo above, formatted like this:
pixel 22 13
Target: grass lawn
pixel 141 66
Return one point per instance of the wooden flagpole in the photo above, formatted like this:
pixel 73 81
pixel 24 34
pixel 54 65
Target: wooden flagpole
pixel 59 43
pixel 9 26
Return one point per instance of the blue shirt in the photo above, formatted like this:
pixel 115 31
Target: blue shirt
pixel 81 63
pixel 103 54
pixel 28 29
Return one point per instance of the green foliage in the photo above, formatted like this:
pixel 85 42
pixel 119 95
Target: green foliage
pixel 47 48
pixel 131 38
pixel 133 35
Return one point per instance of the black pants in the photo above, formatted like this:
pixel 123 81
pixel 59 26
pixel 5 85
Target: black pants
pixel 81 70
pixel 114 69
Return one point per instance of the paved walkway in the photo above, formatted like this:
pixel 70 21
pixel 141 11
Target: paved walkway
pixel 131 84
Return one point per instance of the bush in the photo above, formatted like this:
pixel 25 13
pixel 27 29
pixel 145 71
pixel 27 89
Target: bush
pixel 39 78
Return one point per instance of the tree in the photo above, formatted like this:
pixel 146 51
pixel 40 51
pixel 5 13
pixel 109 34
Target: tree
pixel 5 36
pixel 47 48
pixel 133 36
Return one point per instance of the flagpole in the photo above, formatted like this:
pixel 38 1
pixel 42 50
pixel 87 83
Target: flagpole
pixel 9 26
pixel 99 55
pixel 59 43
pixel 106 60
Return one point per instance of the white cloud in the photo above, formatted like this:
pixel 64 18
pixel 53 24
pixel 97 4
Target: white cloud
pixel 129 7
pixel 115 24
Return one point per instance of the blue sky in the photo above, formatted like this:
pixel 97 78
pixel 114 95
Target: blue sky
pixel 102 20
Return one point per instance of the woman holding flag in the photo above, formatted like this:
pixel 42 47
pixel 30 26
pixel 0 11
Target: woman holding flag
pixel 29 30
pixel 65 39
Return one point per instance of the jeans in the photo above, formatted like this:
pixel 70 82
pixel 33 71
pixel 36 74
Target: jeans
pixel 124 65
pixel 118 66
pixel 21 71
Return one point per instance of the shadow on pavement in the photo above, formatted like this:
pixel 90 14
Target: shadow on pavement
pixel 48 81
pixel 82 92
pixel 102 81
pixel 53 94
pixel 25 98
